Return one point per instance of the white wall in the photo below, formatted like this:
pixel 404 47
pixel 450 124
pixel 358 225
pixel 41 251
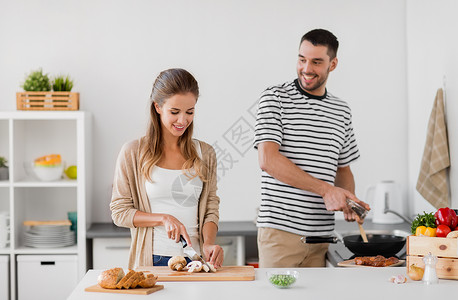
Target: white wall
pixel 432 55
pixel 114 49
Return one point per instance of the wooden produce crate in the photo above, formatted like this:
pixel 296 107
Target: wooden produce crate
pixel 446 250
pixel 47 100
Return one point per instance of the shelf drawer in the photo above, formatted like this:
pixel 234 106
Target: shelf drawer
pixel 46 276
pixel 110 252
pixel 4 277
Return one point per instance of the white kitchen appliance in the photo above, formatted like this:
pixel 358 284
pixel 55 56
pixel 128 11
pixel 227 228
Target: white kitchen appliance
pixel 386 195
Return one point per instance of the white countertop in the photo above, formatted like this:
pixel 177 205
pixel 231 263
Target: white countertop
pixel 314 283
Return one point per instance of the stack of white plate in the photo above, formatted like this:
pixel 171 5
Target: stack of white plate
pixel 49 236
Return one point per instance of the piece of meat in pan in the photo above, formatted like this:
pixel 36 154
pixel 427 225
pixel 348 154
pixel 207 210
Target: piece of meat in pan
pixel 376 261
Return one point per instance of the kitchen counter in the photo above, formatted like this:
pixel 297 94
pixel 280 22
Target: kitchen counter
pixel 231 228
pixel 313 283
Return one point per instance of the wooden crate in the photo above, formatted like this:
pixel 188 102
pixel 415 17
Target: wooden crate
pixel 47 101
pixel 446 250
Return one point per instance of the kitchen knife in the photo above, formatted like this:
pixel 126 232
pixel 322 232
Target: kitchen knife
pixel 191 253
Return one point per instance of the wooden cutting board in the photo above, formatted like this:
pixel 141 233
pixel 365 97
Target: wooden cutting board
pixel 136 291
pixel 351 263
pixel 226 273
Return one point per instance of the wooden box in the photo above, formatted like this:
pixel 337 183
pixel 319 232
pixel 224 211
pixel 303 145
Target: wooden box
pixel 47 101
pixel 446 250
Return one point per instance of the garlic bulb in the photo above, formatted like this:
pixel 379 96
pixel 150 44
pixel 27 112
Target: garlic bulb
pixel 398 279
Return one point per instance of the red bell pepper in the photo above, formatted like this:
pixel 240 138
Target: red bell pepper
pixel 446 216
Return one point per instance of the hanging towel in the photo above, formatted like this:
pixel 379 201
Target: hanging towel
pixel 432 181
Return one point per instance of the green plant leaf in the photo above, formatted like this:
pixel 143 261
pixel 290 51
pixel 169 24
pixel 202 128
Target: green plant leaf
pixel 62 84
pixel 37 81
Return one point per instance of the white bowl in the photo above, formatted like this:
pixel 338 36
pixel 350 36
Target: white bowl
pixel 49 173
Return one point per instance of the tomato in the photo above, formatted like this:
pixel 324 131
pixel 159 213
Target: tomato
pixel 420 231
pixel 442 230
pixel 430 232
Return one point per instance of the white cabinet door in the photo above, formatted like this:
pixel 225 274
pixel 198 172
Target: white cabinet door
pixel 110 252
pixel 44 277
pixel 4 277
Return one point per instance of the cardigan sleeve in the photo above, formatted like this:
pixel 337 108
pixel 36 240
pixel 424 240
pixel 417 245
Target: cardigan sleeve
pixel 124 200
pixel 212 211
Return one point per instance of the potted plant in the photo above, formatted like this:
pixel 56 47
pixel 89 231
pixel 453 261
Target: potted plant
pixel 36 81
pixel 62 84
pixel 38 95
pixel 4 174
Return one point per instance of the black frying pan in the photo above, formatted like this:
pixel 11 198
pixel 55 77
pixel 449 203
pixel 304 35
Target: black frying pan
pixel 378 244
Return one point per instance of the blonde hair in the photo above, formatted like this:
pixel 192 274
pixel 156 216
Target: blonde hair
pixel 169 83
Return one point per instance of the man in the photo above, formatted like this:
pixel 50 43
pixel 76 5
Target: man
pixel 305 142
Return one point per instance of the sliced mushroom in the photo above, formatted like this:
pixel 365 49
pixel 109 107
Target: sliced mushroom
pixel 208 267
pixel 205 268
pixel 177 263
pixel 194 266
pixel 212 267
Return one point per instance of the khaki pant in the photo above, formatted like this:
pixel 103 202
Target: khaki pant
pixel 281 249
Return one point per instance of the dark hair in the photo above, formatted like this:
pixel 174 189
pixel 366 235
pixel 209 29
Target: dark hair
pixel 322 37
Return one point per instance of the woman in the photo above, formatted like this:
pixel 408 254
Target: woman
pixel 165 182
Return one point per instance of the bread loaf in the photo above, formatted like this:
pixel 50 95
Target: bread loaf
pixel 115 279
pixel 139 278
pixel 124 279
pixel 150 281
pixel 109 278
pixel 130 281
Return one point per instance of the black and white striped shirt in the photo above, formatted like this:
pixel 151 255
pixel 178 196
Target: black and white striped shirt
pixel 316 134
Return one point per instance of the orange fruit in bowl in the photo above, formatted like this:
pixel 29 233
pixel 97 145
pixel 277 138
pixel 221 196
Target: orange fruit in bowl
pixel 48 160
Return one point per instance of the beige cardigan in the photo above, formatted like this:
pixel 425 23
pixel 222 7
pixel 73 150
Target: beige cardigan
pixel 129 195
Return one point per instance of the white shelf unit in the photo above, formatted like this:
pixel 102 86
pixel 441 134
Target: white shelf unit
pixel 24 136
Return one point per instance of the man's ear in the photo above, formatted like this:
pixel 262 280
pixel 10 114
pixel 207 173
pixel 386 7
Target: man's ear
pixel 334 62
pixel 157 108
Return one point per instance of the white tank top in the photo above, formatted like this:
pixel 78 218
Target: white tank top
pixel 171 192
